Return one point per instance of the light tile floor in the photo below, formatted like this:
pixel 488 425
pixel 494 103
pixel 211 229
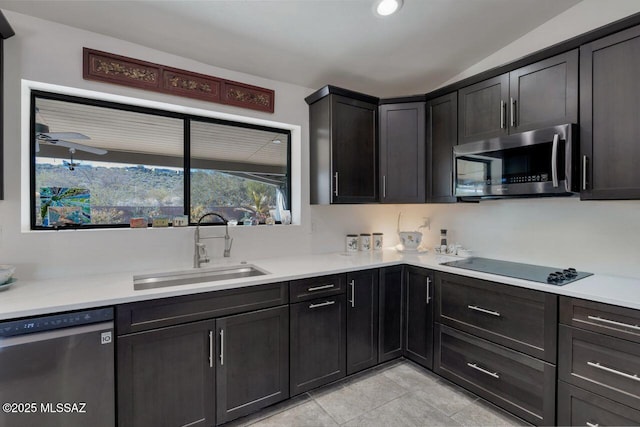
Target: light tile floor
pixel 395 394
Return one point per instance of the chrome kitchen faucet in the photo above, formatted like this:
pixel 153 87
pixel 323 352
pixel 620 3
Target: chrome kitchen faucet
pixel 200 250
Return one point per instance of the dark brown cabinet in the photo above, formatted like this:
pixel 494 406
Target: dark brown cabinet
pixel 391 306
pixel 522 319
pixel 499 341
pixel 252 362
pixel 362 320
pixel 402 153
pixel 598 363
pixel 343 147
pixel 578 407
pixel 175 369
pixel 539 95
pixel 544 94
pixel 482 109
pixel 442 135
pixel 515 381
pixel 609 111
pixel 419 316
pixel 166 377
pixel 318 343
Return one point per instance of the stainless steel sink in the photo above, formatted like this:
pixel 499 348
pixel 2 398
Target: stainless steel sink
pixel 199 275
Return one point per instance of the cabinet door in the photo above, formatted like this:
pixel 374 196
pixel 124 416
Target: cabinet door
pixel 442 135
pixel 482 109
pixel 609 111
pixel 354 151
pixel 166 377
pixel 252 356
pixel 419 316
pixel 318 343
pixel 544 94
pixel 390 342
pixel 402 153
pixel 362 320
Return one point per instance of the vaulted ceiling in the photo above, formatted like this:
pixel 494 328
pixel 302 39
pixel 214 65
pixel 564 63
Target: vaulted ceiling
pixel 314 42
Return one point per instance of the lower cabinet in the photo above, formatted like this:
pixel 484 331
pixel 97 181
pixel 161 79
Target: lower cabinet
pixel 206 372
pixel 498 341
pixel 166 377
pixel 598 363
pixel 578 407
pixel 318 342
pixel 252 362
pixel 419 316
pixel 523 385
pixel 391 313
pixel 362 320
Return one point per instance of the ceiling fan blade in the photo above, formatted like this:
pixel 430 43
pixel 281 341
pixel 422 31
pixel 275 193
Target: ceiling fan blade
pixel 80 147
pixel 63 135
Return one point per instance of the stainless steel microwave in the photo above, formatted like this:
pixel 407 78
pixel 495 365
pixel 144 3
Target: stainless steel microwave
pixel 541 162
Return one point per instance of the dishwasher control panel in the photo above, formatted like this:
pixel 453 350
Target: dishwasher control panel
pixel 55 321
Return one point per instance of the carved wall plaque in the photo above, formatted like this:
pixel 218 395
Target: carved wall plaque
pixel 111 68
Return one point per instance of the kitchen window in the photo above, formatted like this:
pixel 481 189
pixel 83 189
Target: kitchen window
pixel 98 164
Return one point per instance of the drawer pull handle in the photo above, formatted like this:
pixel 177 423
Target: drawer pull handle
pixel 614 371
pixel 483 310
pixel 319 288
pixel 613 322
pixel 322 304
pixel 484 371
pixel 593 424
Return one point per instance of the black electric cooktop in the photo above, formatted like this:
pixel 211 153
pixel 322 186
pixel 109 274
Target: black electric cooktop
pixel 534 273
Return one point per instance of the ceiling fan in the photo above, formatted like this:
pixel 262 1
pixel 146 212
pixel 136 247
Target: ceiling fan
pixel 60 138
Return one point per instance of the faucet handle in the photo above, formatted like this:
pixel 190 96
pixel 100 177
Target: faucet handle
pixel 202 252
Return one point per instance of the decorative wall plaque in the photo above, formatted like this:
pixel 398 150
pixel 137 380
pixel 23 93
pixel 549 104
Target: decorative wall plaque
pixel 110 68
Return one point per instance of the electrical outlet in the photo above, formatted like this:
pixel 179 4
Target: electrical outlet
pixel 426 223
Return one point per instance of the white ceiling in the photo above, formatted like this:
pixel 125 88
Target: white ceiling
pixel 314 42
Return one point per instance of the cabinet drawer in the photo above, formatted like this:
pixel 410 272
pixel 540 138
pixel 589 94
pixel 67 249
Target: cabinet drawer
pixel 578 407
pixel 517 318
pixel 600 363
pixel 318 343
pixel 317 287
pixel 145 315
pixel 603 318
pixel 517 382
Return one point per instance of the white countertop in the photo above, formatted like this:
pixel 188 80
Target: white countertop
pixel 36 297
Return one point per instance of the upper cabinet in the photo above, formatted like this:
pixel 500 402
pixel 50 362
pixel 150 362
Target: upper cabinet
pixel 343 146
pixel 609 112
pixel 539 95
pixel 482 109
pixel 402 153
pixel 544 94
pixel 442 135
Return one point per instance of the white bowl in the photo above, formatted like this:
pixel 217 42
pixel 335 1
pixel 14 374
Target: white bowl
pixel 410 239
pixel 6 271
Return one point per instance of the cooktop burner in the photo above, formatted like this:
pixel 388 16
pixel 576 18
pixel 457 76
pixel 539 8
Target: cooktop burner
pixel 534 273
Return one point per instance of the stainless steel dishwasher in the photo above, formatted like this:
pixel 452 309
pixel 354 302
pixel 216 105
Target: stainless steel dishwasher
pixel 58 370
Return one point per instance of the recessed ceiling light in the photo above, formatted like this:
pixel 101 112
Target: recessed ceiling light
pixel 387 7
